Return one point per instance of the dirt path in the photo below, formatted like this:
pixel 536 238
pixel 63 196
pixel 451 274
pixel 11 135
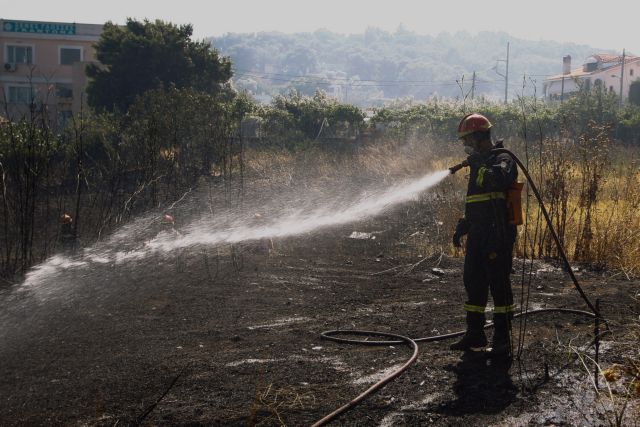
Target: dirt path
pixel 239 343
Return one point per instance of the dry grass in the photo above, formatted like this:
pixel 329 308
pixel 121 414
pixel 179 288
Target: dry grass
pixel 592 194
pixel 275 401
pixel 593 201
pixel 618 389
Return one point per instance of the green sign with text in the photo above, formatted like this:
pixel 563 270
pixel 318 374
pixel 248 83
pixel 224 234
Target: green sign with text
pixel 39 27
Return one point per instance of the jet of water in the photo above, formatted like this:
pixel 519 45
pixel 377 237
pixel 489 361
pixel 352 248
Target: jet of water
pixel 367 205
pixel 216 231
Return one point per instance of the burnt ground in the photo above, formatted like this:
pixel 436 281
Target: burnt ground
pixel 216 338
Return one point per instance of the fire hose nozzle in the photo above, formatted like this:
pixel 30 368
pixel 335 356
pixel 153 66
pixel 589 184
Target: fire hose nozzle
pixel 456 168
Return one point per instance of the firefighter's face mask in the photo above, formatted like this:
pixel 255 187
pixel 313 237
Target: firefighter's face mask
pixel 469 145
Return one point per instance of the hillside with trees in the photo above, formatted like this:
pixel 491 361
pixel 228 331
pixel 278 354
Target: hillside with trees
pixel 377 66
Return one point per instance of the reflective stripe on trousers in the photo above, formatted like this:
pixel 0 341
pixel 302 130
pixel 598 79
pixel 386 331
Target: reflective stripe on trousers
pixel 473 308
pixel 504 309
pixel 500 309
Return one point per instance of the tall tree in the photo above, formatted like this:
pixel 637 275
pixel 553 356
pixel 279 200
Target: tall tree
pixel 147 55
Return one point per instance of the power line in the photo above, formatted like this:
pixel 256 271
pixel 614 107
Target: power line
pixel 288 77
pixel 338 81
pixel 348 81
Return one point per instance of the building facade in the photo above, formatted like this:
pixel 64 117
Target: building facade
pixel 43 66
pixel 599 69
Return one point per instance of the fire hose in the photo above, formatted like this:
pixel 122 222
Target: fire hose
pixel 412 342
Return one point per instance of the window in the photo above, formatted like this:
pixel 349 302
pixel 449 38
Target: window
pixel 631 72
pixel 19 54
pixel 64 90
pixel 69 55
pixel 20 94
pixel 611 89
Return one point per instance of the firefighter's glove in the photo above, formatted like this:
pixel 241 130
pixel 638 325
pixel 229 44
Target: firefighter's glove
pixel 461 229
pixel 475 160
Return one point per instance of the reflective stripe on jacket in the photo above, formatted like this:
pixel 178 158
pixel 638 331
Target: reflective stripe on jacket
pixel 488 182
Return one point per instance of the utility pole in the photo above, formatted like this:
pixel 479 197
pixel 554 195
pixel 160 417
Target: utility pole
pixel 506 78
pixel 506 75
pixel 473 85
pixel 622 77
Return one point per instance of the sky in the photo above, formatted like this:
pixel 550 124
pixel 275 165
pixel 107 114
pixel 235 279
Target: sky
pixel 609 25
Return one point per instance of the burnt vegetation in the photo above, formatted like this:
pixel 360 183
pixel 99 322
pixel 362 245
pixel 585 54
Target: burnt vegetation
pixel 219 149
pixel 104 168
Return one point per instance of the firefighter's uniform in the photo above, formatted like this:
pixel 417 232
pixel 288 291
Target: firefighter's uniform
pixel 490 240
pixel 67 233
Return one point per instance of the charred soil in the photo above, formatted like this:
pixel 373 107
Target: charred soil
pixel 231 336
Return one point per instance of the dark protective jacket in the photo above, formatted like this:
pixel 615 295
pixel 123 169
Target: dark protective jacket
pixel 490 237
pixel 490 177
pixel 67 237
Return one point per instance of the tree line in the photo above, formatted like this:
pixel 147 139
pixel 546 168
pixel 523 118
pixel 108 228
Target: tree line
pixel 368 68
pixel 148 138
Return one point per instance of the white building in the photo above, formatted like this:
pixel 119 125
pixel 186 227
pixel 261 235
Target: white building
pixel 598 69
pixel 43 64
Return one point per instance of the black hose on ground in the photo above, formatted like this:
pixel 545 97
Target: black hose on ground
pixel 382 382
pixel 331 335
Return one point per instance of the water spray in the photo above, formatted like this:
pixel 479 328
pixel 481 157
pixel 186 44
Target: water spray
pixel 228 228
pixel 333 335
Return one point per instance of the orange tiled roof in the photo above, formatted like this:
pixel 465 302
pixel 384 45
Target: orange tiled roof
pixel 601 57
pixel 574 73
pixel 606 57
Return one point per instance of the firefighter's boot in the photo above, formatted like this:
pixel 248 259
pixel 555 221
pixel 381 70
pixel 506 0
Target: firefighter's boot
pixel 501 343
pixel 474 337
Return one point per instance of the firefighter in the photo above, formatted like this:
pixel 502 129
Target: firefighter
pixel 168 221
pixel 67 233
pixel 490 237
pixel 169 224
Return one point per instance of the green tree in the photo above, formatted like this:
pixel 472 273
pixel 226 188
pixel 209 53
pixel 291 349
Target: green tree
pixel 305 116
pixel 300 61
pixel 146 55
